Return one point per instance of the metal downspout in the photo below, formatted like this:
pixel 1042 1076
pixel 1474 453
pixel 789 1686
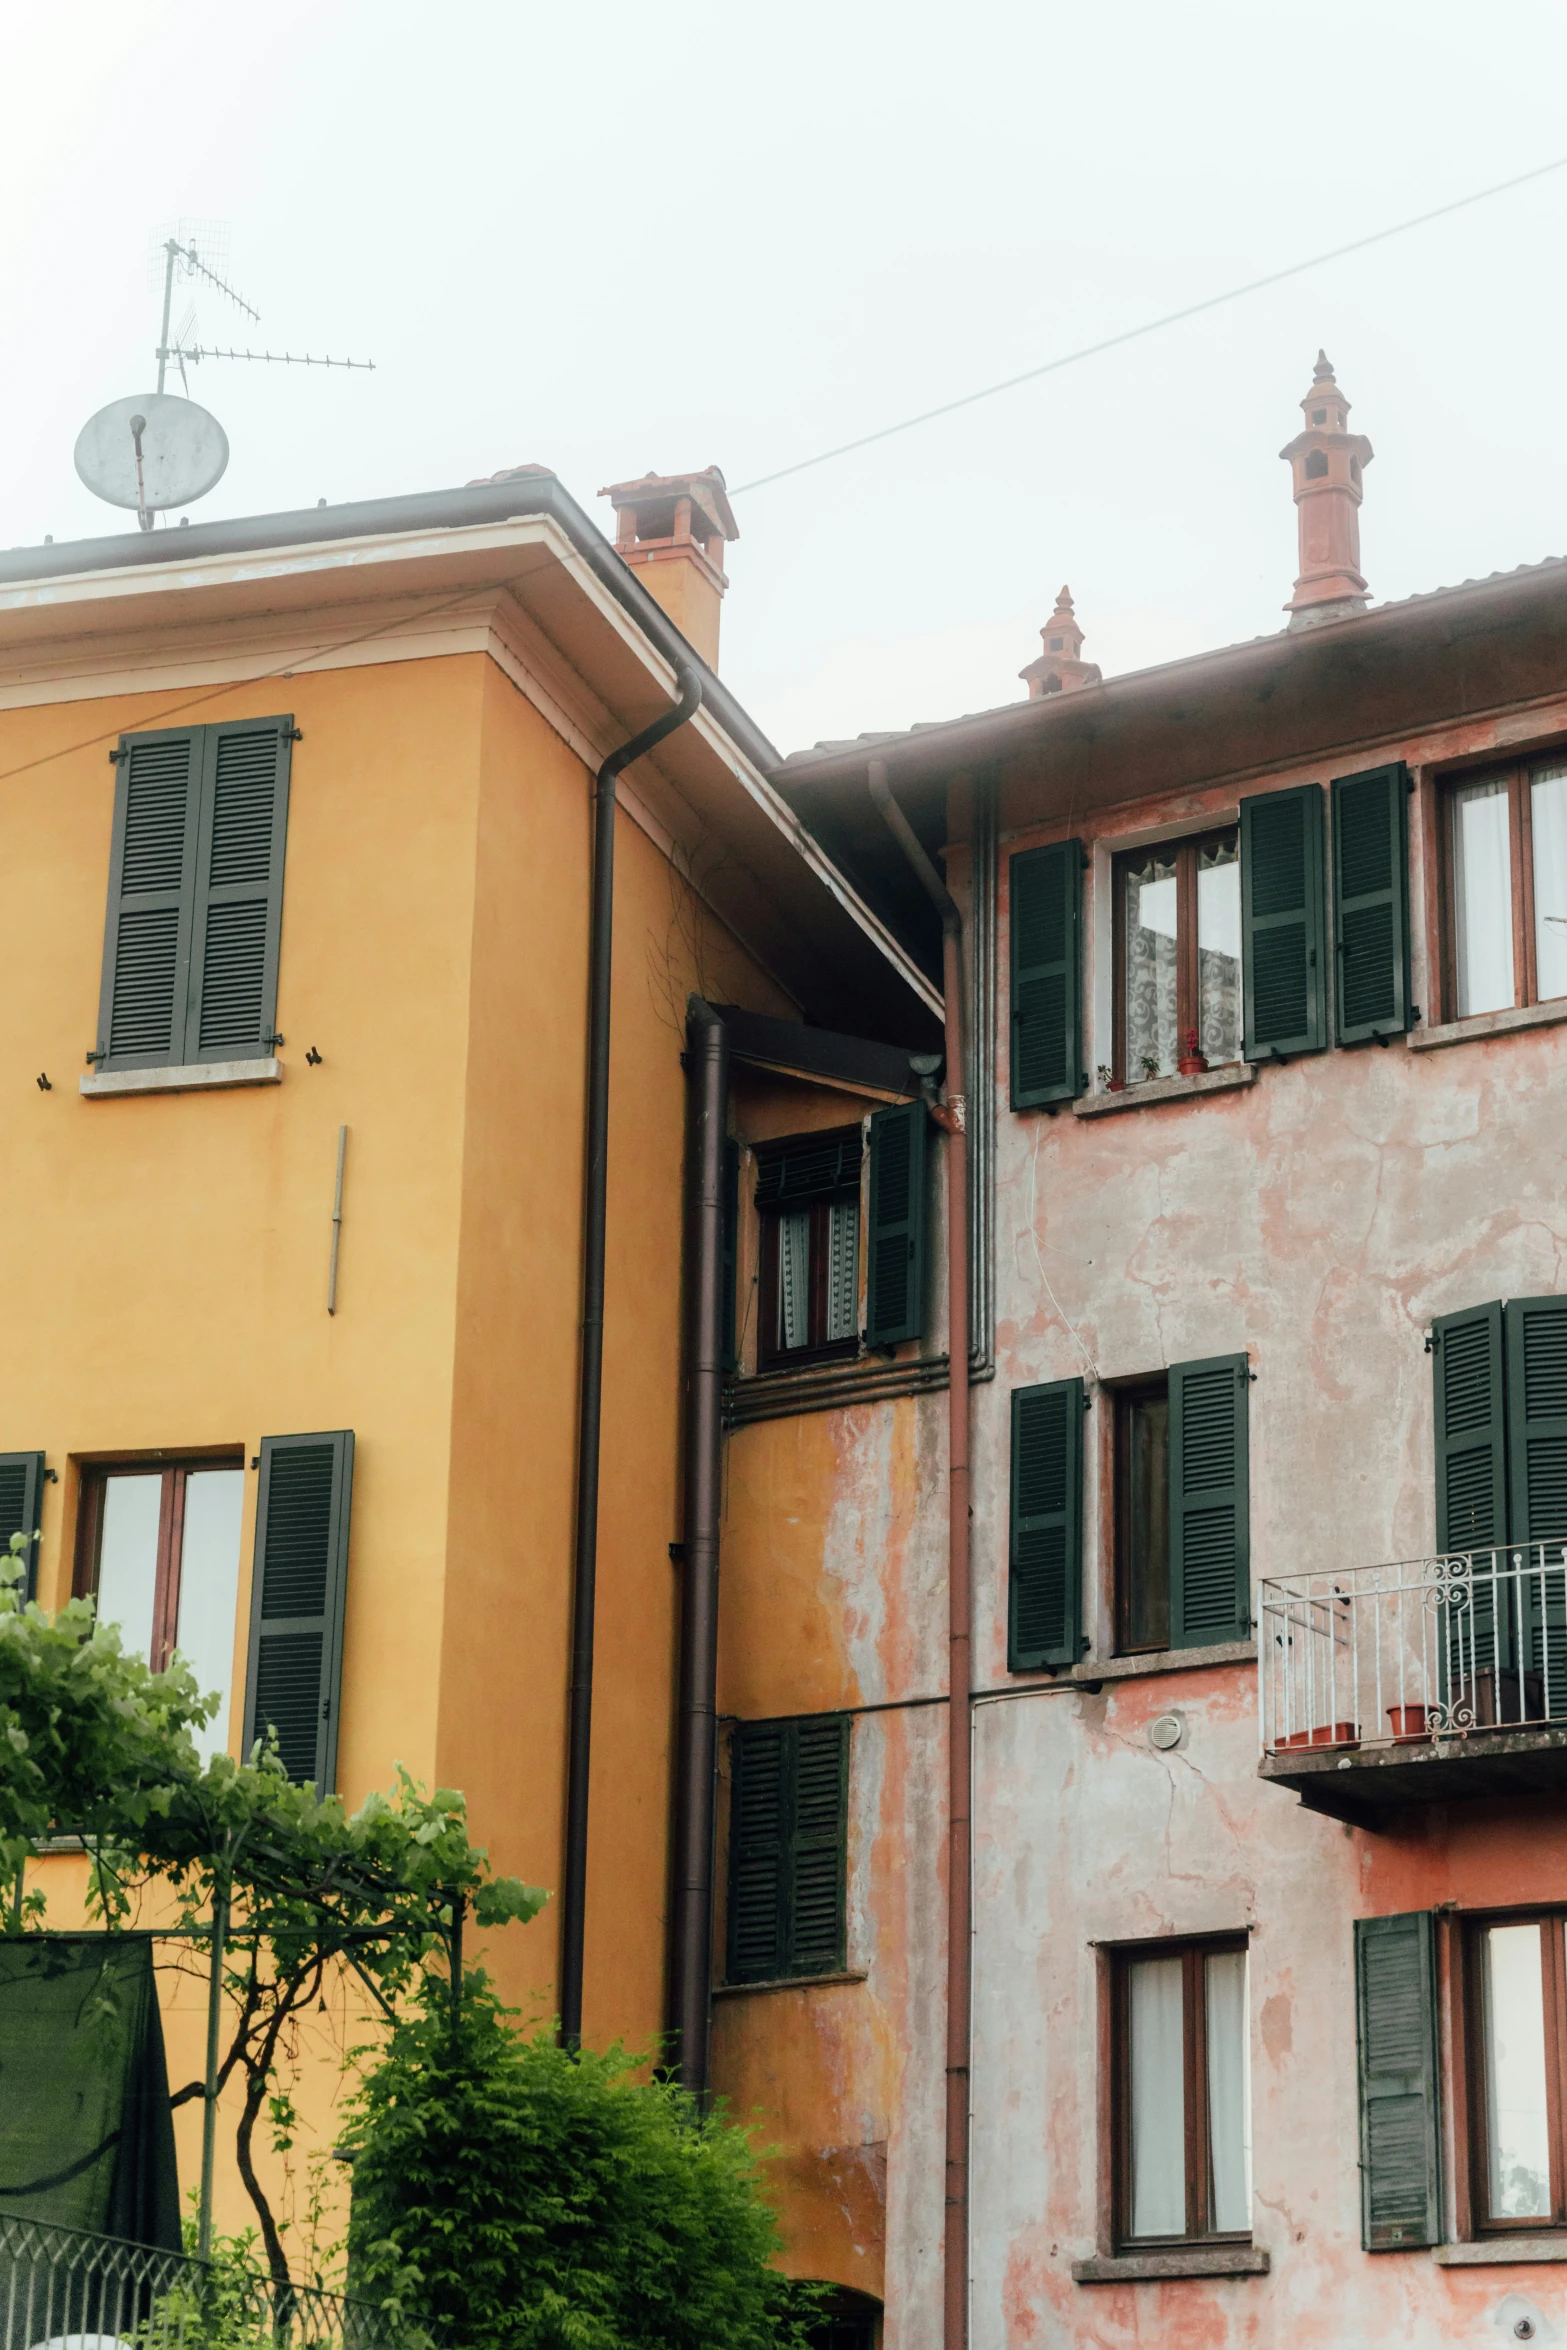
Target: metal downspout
pixel 951 1116
pixel 579 1735
pixel 691 1946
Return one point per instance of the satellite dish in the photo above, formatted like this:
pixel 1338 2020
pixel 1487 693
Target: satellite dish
pixel 150 452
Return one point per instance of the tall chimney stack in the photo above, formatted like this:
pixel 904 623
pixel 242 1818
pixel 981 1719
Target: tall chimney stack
pixel 1060 668
pixel 672 528
pixel 1328 464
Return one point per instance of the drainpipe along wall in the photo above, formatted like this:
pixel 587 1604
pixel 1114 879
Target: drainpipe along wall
pixel 950 1116
pixel 691 1942
pixel 579 1734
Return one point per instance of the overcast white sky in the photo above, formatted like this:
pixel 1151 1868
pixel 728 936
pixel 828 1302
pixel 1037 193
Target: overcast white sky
pixel 607 237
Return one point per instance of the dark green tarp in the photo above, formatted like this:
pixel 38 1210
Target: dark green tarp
pixel 86 2136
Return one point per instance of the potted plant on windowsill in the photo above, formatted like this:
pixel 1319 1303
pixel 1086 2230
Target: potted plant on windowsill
pixel 1108 1081
pixel 1192 1063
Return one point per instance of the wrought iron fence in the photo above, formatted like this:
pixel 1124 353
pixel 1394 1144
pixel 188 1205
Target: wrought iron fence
pixel 67 2290
pixel 1427 1648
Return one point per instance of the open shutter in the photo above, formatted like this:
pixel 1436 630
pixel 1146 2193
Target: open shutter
pixel 1535 1333
pixel 730 1335
pixel 1371 903
pixel 895 1278
pixel 1471 1433
pixel 1046 892
pixel 295 1668
pixel 1400 2137
pixel 152 868
pixel 1210 1513
pixel 237 915
pixel 818 1846
pixel 758 1756
pixel 1281 923
pixel 21 1503
pixel 1044 1601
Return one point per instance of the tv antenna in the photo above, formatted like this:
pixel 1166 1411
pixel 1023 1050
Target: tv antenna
pixel 154 450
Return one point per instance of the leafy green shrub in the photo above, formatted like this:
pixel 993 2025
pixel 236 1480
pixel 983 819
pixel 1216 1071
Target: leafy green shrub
pixel 510 2194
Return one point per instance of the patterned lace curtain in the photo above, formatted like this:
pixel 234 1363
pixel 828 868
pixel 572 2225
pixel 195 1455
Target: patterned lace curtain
pixel 1150 971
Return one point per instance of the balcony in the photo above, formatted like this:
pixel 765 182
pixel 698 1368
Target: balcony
pixel 1428 1681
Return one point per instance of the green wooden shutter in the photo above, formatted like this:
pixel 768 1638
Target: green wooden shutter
pixel 1044 1600
pixel 21 1504
pixel 1371 903
pixel 1046 893
pixel 1471 1430
pixel 895 1277
pixel 237 915
pixel 152 869
pixel 1535 1334
pixel 759 1756
pixel 1281 923
pixel 730 1358
pixel 818 1847
pixel 1400 2124
pixel 294 1673
pixel 1210 1508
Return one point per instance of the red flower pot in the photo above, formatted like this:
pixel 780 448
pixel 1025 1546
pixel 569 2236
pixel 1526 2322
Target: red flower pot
pixel 1410 1722
pixel 1192 1065
pixel 1325 1734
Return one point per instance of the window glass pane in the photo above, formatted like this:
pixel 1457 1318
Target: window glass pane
pixel 1158 2099
pixel 1548 823
pixel 1149 977
pixel 1146 1534
pixel 843 1269
pixel 128 1557
pixel 209 1589
pixel 1219 952
pixel 1516 2127
pixel 794 1278
pixel 1229 2092
pixel 1482 898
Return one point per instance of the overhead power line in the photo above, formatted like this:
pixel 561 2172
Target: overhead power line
pixel 1150 326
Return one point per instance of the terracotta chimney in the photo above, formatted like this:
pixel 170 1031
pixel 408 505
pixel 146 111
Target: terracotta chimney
pixel 1059 667
pixel 671 527
pixel 1328 463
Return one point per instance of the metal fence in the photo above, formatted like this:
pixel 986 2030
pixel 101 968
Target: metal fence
pixel 1425 1648
pixel 71 2291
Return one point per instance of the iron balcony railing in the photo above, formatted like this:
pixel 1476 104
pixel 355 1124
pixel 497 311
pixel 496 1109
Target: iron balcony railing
pixel 1474 1641
pixel 73 2291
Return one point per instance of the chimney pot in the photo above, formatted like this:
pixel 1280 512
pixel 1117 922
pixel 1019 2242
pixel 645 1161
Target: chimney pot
pixel 1060 668
pixel 671 528
pixel 1327 463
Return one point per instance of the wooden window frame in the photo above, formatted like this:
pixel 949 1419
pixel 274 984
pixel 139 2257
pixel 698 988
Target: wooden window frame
pixel 770 1356
pixel 1184 852
pixel 1470 2104
pixel 1116 2047
pixel 1517 776
pixel 174 1471
pixel 1122 1396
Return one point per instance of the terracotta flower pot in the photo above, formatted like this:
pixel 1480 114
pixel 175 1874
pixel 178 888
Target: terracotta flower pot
pixel 1325 1734
pixel 1192 1065
pixel 1409 1723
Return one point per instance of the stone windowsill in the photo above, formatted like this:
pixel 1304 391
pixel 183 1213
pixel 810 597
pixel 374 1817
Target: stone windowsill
pixel 1165 1089
pixel 1501 2251
pixel 194 1077
pixel 789 1983
pixel 1175 2260
pixel 1165 1660
pixel 1425 1040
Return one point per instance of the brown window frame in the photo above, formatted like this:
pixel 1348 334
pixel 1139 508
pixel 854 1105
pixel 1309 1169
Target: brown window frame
pixel 1123 1398
pixel 1520 849
pixel 174 1471
pixel 1469 2070
pixel 770 1356
pixel 1192 1950
pixel 1184 852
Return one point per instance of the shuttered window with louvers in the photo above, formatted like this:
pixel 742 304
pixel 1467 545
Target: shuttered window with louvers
pixel 1045 889
pixel 294 1673
pixel 895 1278
pixel 1044 1605
pixel 788 1848
pixel 1535 1342
pixel 808 1167
pixel 1282 923
pixel 195 895
pixel 21 1500
pixel 1371 903
pixel 1400 2133
pixel 1471 1429
pixel 1210 1547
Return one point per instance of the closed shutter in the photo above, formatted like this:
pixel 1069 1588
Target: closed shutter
pixel 195 895
pixel 1371 903
pixel 294 1673
pixel 1210 1529
pixel 1535 1333
pixel 788 1848
pixel 809 1167
pixel 1046 890
pixel 895 1276
pixel 1044 1601
pixel 152 869
pixel 1471 1431
pixel 1281 923
pixel 21 1505
pixel 1400 2140
pixel 730 1335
